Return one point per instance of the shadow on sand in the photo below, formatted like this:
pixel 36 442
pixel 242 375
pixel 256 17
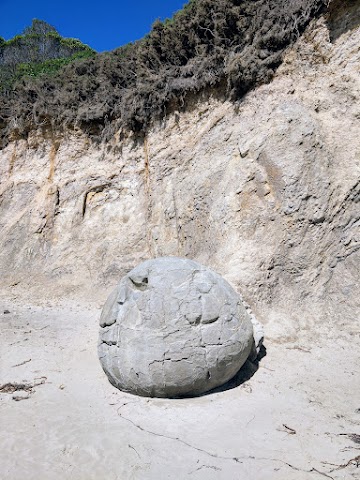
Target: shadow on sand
pixel 249 369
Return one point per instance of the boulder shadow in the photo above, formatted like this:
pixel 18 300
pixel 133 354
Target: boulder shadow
pixel 247 371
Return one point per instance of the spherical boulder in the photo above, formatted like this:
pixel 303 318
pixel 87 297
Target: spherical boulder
pixel 173 328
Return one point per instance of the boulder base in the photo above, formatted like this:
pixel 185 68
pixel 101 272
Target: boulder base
pixel 172 328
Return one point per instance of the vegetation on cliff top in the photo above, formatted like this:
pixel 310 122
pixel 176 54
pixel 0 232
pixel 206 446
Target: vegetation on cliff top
pixel 235 43
pixel 39 50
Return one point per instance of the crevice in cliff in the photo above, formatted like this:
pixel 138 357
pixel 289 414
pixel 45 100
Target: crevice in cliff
pixel 148 199
pixel 89 193
pixel 13 158
pixel 52 202
pixel 53 152
pixel 177 224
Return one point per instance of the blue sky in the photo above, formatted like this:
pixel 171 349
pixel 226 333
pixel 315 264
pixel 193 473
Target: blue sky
pixel 104 25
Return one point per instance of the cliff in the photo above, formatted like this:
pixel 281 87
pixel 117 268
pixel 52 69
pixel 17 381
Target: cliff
pixel 262 187
pixel 264 190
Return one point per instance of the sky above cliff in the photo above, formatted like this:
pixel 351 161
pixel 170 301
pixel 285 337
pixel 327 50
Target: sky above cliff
pixel 104 25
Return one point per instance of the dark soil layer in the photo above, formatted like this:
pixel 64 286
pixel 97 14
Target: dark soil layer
pixel 237 44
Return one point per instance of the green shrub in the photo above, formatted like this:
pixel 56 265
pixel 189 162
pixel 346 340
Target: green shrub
pixel 39 50
pixel 49 67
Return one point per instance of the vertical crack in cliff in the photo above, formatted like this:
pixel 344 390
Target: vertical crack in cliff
pixel 148 197
pixel 13 158
pixel 177 224
pixel 53 152
pixel 52 193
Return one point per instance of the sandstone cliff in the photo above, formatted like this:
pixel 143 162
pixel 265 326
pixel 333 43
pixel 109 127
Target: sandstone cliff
pixel 265 191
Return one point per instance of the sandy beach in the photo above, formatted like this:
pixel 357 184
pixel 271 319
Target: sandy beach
pixel 296 418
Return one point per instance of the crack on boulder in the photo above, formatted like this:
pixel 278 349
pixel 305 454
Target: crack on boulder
pixel 171 333
pixel 211 320
pixel 194 321
pixel 108 323
pixel 110 343
pixel 140 284
pixel 169 360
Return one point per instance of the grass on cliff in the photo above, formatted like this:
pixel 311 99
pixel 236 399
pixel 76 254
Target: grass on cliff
pixel 39 50
pixel 235 43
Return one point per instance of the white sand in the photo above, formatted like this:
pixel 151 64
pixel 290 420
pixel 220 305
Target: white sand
pixel 297 417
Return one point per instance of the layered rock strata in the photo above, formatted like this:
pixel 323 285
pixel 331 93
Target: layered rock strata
pixel 266 192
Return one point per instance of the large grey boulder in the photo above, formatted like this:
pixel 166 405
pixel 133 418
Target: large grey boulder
pixel 171 328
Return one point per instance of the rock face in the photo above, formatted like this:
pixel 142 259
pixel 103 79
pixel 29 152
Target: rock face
pixel 173 327
pixel 267 193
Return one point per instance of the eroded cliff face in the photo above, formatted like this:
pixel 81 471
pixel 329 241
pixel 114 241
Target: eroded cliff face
pixel 266 193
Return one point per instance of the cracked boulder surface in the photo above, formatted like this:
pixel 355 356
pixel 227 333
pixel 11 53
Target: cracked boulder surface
pixel 173 328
